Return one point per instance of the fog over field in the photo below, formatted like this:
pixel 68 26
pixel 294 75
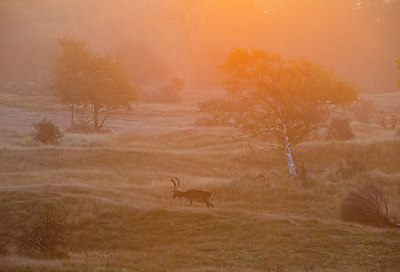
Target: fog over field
pixel 199 135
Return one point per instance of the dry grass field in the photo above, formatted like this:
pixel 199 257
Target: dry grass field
pixel 116 190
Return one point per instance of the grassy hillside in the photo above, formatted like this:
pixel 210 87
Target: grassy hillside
pixel 116 190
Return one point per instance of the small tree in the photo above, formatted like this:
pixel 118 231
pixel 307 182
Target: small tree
pixel 291 98
pixel 99 81
pixel 107 89
pixel 68 74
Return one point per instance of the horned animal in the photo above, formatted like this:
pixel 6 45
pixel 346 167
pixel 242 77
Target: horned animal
pixel 192 195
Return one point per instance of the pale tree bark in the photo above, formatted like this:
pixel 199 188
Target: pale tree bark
pixel 288 153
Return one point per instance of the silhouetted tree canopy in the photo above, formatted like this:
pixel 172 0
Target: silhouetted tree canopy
pixel 99 81
pixel 69 72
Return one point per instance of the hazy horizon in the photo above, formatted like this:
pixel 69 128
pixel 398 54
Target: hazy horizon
pixel 160 39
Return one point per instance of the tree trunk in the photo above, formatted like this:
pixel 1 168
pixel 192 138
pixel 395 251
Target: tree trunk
pixel 95 118
pixel 72 115
pixel 291 166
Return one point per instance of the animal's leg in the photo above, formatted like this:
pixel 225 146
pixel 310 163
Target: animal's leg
pixel 212 205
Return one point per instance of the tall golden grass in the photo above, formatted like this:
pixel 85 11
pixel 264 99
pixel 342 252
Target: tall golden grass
pixel 116 189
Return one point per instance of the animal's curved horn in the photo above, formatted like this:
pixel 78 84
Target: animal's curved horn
pixel 173 181
pixel 178 182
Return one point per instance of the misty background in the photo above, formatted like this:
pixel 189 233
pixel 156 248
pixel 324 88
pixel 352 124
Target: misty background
pixel 159 39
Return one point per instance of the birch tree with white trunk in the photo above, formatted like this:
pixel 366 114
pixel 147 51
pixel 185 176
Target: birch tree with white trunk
pixel 288 100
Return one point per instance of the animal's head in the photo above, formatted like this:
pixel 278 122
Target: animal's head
pixel 176 183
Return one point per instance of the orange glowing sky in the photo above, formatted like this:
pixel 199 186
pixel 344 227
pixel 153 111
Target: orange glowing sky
pixel 158 38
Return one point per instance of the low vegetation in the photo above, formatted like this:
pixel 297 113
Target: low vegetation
pixel 339 129
pixel 368 206
pixel 222 112
pixel 387 119
pixel 364 110
pixel 41 232
pixel 47 132
pixel 122 215
pixel 170 93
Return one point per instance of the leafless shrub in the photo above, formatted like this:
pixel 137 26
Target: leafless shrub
pixel 46 132
pixel 368 206
pixel 387 120
pixel 43 233
pixel 382 119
